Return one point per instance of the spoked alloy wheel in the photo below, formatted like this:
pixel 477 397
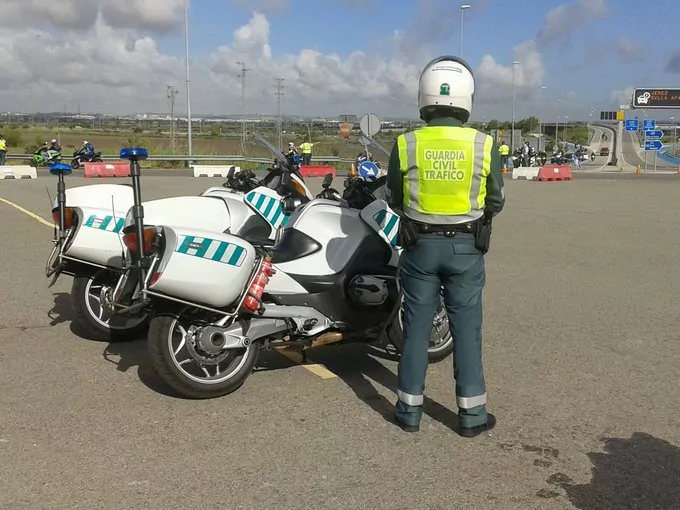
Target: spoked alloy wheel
pixel 441 341
pixel 86 296
pixel 191 366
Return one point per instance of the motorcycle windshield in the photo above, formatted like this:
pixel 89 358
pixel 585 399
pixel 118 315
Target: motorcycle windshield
pixel 367 140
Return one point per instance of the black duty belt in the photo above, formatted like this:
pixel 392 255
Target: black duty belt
pixel 447 230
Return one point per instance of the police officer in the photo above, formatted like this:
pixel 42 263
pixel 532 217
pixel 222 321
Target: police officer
pixel 442 178
pixel 306 149
pixel 504 151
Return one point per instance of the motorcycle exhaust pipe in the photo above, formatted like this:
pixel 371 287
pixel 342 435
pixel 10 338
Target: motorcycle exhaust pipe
pixel 327 339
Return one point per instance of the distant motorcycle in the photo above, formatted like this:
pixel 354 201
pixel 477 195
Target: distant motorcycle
pixel 79 157
pixel 41 158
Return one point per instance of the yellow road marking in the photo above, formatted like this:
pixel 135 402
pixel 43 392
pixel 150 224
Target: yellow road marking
pixel 316 369
pixel 27 212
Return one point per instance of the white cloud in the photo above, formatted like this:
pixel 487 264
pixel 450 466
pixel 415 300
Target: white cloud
pixel 628 50
pixel 624 96
pixel 564 19
pixel 496 79
pixel 111 62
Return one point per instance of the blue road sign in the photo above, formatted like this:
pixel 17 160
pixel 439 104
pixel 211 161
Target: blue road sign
pixel 654 134
pixel 368 170
pixel 632 125
pixel 653 145
pixel 648 125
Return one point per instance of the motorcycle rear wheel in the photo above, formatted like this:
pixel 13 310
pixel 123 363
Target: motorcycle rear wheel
pixel 441 341
pixel 174 353
pixel 85 301
pixel 75 164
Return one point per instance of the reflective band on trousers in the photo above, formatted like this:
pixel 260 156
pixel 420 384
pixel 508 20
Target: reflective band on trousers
pixel 470 402
pixel 410 400
pixel 445 170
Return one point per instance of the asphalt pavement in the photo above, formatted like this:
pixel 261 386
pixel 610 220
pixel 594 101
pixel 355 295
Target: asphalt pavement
pixel 581 352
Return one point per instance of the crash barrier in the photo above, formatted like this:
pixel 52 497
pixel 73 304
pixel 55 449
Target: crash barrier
pixel 316 170
pixel 114 169
pixel 554 173
pixel 213 170
pixel 18 172
pixel 530 173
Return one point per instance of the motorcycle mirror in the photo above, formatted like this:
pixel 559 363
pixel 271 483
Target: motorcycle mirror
pixel 289 204
pixel 230 174
pixel 327 181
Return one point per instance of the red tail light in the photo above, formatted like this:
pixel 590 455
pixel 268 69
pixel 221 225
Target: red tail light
pixel 253 299
pixel 69 215
pixel 130 240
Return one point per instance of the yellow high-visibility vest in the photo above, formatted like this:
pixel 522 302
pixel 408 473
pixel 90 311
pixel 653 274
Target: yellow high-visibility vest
pixel 306 147
pixel 3 145
pixel 504 150
pixel 445 171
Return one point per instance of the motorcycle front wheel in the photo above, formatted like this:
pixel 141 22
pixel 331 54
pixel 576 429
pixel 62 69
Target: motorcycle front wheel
pixel 441 340
pixel 188 368
pixel 86 296
pixel 75 164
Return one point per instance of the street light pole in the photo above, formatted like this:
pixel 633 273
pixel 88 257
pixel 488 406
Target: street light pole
pixel 244 129
pixel 512 132
pixel 186 58
pixel 463 8
pixel 540 119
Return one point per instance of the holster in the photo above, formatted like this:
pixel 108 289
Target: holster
pixel 483 233
pixel 408 236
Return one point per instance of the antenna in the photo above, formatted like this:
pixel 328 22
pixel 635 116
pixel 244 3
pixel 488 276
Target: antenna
pixel 171 93
pixel 279 94
pixel 244 129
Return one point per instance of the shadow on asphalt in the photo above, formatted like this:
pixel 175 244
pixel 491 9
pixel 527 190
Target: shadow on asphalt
pixel 357 365
pixel 637 473
pixel 640 472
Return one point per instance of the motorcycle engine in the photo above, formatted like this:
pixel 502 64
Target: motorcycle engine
pixel 368 290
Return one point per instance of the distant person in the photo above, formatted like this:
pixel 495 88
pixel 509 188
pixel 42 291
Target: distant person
pixel 3 150
pixel 526 154
pixel 54 146
pixel 88 149
pixel 504 151
pixel 306 149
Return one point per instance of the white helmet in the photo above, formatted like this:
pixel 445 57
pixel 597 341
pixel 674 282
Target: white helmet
pixel 54 140
pixel 84 142
pixel 446 82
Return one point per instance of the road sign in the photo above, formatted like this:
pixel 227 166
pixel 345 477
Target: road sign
pixel 632 125
pixel 620 115
pixel 656 98
pixel 370 124
pixel 653 145
pixel 654 134
pixel 648 125
pixel 368 170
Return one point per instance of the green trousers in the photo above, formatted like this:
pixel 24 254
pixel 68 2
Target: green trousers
pixel 456 265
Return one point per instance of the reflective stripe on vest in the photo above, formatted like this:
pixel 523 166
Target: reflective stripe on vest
pixel 445 170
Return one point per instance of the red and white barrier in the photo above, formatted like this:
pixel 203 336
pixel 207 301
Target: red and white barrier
pixel 115 169
pixel 316 170
pixel 212 170
pixel 549 173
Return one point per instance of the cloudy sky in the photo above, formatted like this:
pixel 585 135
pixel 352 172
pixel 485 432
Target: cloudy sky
pixel 336 56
